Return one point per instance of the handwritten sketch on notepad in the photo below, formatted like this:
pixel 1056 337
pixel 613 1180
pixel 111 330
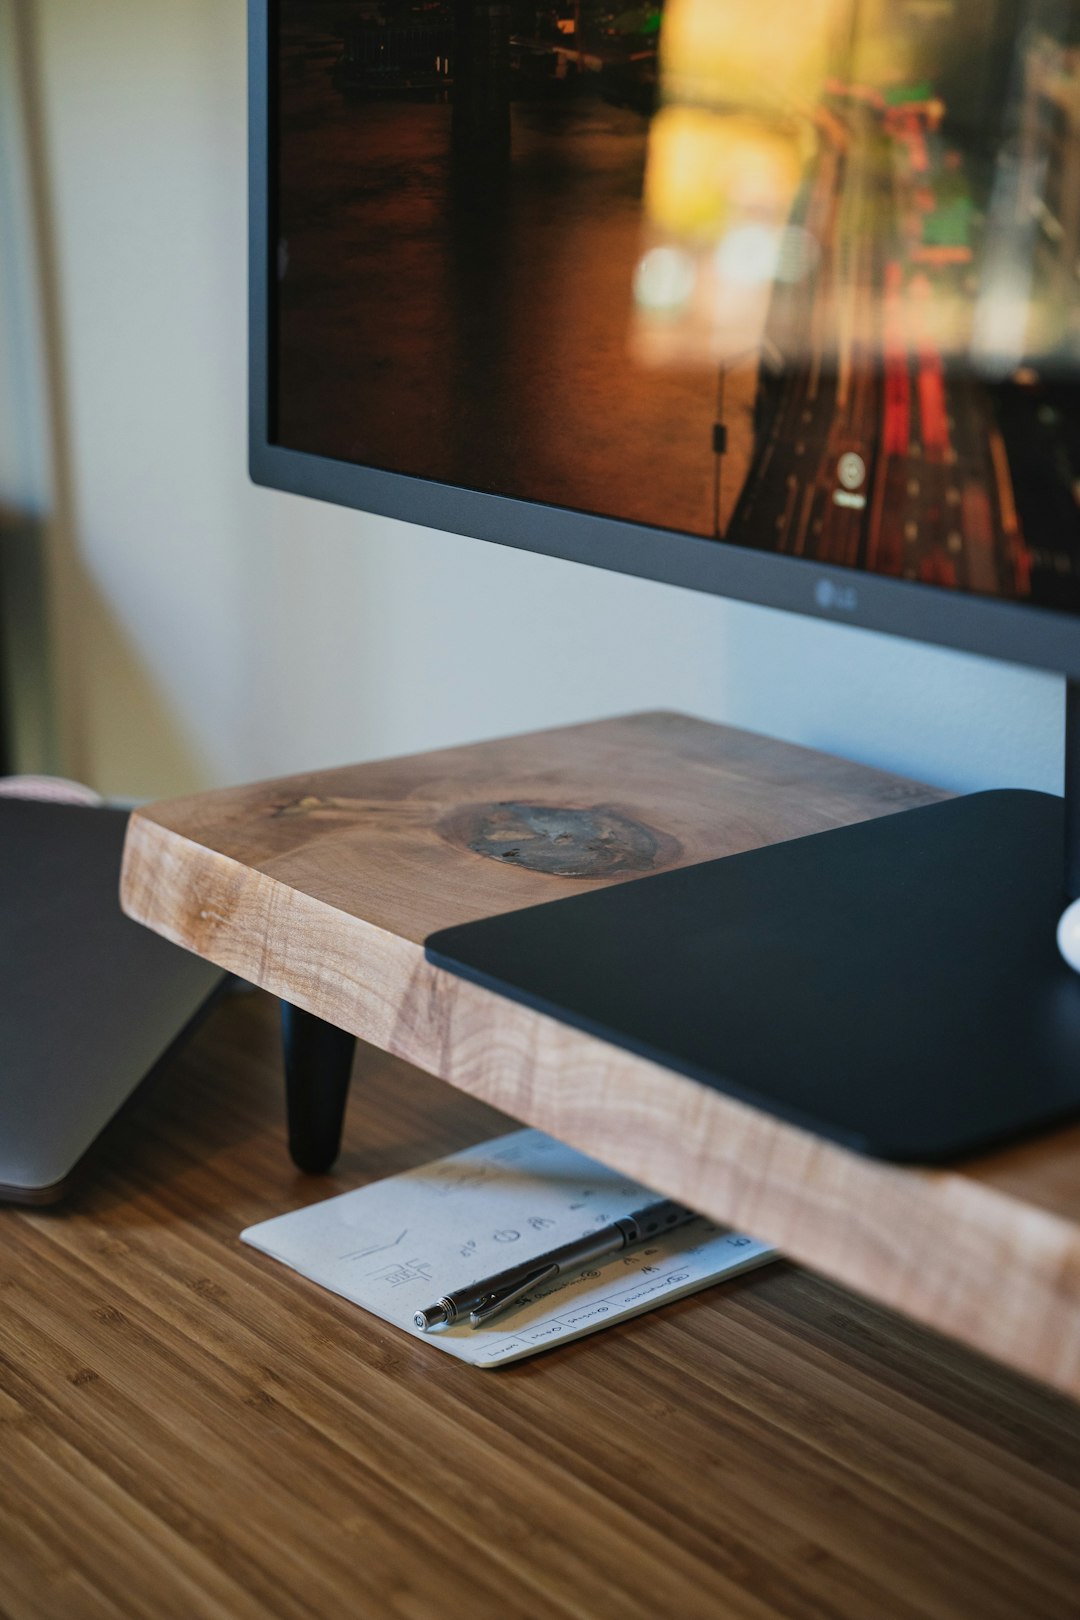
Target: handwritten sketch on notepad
pixel 396 1245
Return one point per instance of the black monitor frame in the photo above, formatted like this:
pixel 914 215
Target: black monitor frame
pixel 1015 632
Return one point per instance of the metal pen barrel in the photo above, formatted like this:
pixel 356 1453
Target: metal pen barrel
pixel 582 1251
pixel 637 1227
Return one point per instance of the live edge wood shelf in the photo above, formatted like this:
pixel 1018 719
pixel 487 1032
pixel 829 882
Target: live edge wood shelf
pixel 321 888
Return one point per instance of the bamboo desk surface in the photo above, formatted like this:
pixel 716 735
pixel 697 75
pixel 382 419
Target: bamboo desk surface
pixel 191 1432
pixel 321 889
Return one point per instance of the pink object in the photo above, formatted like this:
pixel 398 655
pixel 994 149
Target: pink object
pixel 55 788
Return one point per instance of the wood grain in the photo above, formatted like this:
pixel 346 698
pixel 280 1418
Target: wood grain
pixel 321 888
pixel 189 1430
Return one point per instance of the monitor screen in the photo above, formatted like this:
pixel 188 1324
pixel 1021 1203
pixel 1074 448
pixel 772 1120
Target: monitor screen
pixel 797 280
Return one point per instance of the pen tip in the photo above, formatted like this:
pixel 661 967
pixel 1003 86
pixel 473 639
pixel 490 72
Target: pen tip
pixel 432 1316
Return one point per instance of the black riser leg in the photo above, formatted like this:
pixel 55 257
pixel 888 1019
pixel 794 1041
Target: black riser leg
pixel 318 1066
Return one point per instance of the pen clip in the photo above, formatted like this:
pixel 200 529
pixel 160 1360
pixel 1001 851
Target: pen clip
pixel 494 1304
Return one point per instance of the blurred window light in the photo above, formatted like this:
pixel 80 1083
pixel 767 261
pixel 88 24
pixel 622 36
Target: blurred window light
pixel 749 254
pixel 664 279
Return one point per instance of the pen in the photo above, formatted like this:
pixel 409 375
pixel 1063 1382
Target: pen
pixel 492 1295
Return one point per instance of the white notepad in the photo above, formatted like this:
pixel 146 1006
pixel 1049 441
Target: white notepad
pixel 395 1246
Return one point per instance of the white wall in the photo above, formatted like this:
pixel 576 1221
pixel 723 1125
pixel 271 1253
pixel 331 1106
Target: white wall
pixel 227 633
pixel 22 421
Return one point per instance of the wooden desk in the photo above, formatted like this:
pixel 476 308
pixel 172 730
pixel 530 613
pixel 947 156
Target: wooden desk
pixel 322 888
pixel 190 1432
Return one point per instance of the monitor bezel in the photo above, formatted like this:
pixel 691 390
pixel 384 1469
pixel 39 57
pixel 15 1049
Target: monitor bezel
pixel 1019 633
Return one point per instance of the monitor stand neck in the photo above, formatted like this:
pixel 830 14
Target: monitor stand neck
pixel 1072 789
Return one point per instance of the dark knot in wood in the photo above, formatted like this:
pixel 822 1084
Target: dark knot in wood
pixel 595 842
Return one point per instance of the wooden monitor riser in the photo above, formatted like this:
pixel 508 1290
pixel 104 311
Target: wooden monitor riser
pixel 321 889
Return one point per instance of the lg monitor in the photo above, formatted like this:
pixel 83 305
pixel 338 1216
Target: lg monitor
pixel 780 302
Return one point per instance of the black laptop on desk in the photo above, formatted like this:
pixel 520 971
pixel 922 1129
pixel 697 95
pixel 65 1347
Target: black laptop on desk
pixel 89 1001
